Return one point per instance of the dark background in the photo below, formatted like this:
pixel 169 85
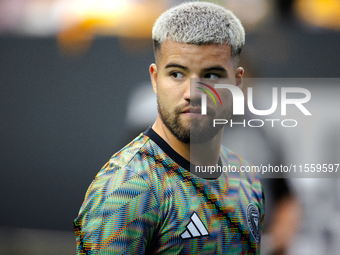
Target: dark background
pixel 62 117
pixel 61 120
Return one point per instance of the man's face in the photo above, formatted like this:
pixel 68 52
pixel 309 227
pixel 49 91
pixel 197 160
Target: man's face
pixel 180 110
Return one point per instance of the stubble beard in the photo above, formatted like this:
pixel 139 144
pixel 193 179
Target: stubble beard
pixel 194 132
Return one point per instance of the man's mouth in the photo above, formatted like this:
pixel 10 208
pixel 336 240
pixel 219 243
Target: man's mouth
pixel 192 110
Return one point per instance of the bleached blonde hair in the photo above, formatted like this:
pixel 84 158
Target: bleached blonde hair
pixel 199 23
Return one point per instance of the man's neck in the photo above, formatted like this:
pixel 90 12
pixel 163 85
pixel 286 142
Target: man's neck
pixel 202 154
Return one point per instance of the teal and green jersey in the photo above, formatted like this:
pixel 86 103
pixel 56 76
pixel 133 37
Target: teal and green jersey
pixel 145 201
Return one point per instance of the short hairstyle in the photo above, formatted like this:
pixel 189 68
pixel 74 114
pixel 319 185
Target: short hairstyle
pixel 199 23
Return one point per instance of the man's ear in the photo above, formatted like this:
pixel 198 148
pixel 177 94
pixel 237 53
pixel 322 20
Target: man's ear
pixel 153 75
pixel 239 77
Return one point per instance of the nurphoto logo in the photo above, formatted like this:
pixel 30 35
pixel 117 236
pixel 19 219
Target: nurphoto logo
pixel 239 102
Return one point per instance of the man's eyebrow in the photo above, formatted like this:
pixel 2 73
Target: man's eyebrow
pixel 215 68
pixel 176 65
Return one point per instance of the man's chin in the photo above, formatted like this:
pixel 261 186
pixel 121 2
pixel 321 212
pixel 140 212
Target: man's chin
pixel 192 130
pixel 195 134
pixel 202 129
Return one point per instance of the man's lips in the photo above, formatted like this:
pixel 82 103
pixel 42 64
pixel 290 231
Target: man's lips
pixel 192 110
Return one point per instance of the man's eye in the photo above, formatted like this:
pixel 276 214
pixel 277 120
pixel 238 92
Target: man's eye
pixel 177 75
pixel 211 76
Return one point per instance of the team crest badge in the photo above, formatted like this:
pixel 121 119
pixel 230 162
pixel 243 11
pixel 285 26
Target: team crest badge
pixel 253 220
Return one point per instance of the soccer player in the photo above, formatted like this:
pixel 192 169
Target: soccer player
pixel 145 200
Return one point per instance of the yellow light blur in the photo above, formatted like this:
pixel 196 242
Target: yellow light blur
pixel 108 12
pixel 107 17
pixel 319 13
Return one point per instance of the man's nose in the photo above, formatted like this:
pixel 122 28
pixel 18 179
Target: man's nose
pixel 191 90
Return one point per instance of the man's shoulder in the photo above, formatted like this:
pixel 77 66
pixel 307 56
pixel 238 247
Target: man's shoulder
pixel 135 157
pixel 142 158
pixel 128 171
pixel 232 158
pixel 239 167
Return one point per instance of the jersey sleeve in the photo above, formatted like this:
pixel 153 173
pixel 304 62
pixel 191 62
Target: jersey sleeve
pixel 255 200
pixel 262 213
pixel 119 214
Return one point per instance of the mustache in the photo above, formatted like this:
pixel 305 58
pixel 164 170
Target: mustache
pixel 194 104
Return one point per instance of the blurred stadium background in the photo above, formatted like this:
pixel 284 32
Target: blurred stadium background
pixel 69 72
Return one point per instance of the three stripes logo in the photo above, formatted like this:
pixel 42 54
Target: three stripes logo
pixel 204 97
pixel 195 228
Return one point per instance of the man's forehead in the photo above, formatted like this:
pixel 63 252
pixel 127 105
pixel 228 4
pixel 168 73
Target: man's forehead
pixel 170 47
pixel 170 43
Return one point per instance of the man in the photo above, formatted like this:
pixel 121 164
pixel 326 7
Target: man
pixel 146 200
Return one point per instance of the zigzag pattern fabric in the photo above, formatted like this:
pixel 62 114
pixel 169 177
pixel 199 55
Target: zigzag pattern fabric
pixel 146 201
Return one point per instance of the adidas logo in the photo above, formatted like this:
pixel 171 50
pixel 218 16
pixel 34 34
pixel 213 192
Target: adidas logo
pixel 195 228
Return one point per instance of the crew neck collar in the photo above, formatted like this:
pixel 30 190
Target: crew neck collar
pixel 171 152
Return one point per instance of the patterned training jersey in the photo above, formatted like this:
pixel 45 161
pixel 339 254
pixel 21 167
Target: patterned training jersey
pixel 146 201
